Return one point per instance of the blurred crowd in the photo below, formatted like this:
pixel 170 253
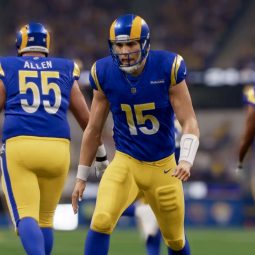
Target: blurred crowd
pixel 193 28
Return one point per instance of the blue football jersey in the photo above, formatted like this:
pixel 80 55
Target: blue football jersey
pixel 142 113
pixel 37 95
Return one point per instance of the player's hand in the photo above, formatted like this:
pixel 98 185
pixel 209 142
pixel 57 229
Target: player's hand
pixel 77 194
pixel 100 167
pixel 182 170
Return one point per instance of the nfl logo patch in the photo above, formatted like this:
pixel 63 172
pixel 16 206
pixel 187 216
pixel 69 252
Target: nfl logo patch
pixel 133 90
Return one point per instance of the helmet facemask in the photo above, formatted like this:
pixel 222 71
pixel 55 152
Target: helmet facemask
pixel 140 55
pixel 125 30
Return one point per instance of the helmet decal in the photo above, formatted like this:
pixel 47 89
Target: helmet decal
pixel 136 28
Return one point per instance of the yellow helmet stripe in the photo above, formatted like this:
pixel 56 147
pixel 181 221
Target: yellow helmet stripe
pixel 48 40
pixel 136 29
pixel 24 37
pixel 94 75
pixel 112 31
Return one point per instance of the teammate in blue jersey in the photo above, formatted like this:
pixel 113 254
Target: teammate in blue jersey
pixel 143 89
pixel 249 130
pixel 36 92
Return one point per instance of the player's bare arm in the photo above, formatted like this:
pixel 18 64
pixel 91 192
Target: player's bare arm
pixel 90 142
pixel 248 134
pixel 182 105
pixel 78 106
pixel 2 95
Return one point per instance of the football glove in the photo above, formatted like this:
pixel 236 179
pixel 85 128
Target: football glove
pixel 239 170
pixel 100 167
pixel 101 162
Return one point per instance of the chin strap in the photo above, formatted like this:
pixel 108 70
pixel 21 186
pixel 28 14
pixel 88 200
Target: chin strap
pixel 130 69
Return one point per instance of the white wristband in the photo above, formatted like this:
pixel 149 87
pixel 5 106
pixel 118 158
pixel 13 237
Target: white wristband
pixel 189 145
pixel 101 152
pixel 83 172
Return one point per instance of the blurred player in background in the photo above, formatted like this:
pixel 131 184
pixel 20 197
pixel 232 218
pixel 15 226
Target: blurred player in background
pixel 146 220
pixel 143 89
pixel 249 129
pixel 36 92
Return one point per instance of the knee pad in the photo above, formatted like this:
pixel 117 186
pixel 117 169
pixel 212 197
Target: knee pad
pixel 167 198
pixel 102 223
pixel 175 245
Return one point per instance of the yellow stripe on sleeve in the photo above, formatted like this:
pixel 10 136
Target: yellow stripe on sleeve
pixel 136 28
pixel 173 80
pixel 94 76
pixel 178 64
pixel 76 71
pixel 175 68
pixel 1 71
pixel 249 92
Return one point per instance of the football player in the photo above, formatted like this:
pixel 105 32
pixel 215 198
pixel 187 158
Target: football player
pixel 146 219
pixel 36 92
pixel 143 88
pixel 249 130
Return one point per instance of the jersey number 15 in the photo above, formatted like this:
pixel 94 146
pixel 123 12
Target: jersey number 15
pixel 141 118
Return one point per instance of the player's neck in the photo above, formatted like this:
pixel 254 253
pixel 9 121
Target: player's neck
pixel 33 54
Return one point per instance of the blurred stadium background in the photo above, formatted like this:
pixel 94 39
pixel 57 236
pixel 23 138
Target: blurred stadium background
pixel 217 40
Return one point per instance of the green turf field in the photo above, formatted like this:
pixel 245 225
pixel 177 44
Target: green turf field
pixel 128 242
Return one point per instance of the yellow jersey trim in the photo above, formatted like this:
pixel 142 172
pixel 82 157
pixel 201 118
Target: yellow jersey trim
pixel 76 71
pixel 249 92
pixel 173 80
pixel 175 68
pixel 94 76
pixel 178 64
pixel 1 71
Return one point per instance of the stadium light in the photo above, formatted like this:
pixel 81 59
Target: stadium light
pixel 197 190
pixel 64 218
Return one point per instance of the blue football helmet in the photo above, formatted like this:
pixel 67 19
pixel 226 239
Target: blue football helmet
pixel 128 28
pixel 33 37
